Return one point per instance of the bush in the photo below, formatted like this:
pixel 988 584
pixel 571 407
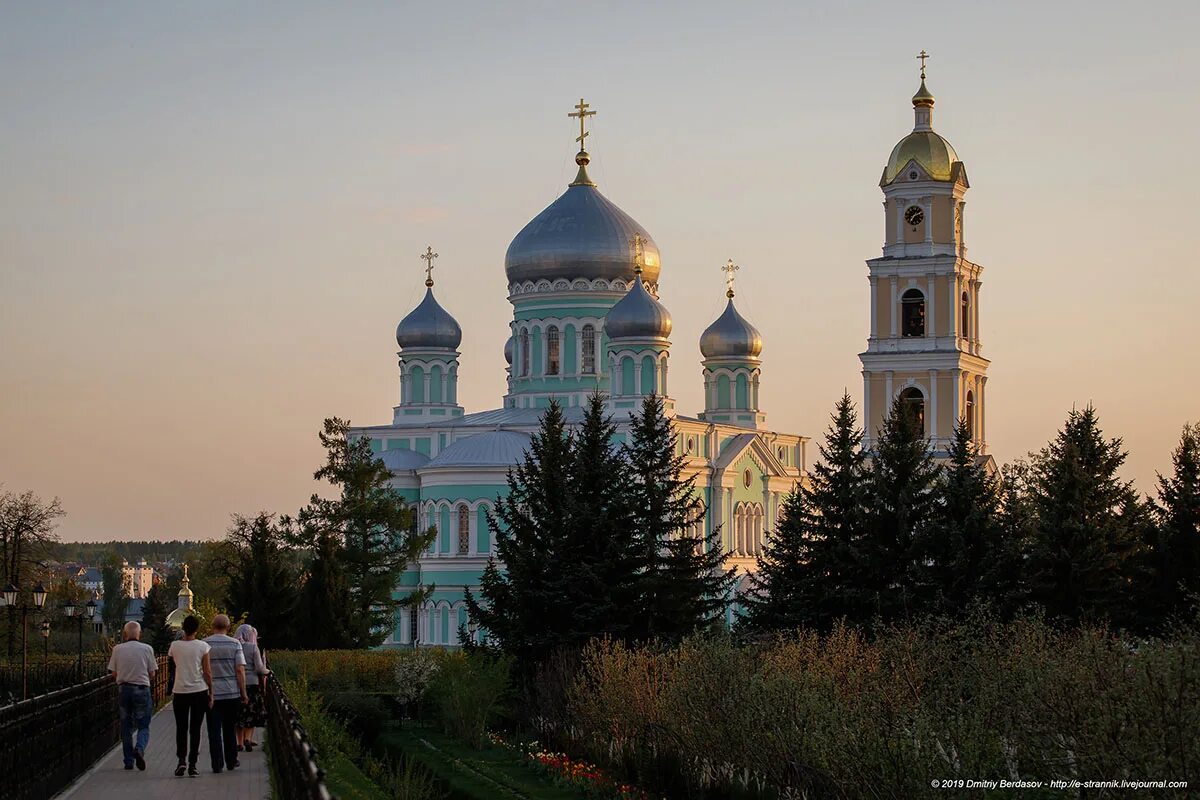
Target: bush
pixel 843 716
pixel 467 692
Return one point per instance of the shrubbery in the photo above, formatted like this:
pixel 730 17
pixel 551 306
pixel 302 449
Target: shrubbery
pixel 843 716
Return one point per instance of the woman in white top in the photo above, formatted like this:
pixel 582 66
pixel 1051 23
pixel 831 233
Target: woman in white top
pixel 192 693
pixel 254 711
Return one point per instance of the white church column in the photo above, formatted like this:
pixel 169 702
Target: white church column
pixel 893 314
pixel 933 409
pixel 952 288
pixel 866 408
pixel 900 203
pixel 955 393
pixel 931 304
pixel 888 392
pixel 928 221
pixel 982 416
pixel 874 304
pixel 978 286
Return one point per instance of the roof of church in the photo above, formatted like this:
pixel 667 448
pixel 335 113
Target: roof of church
pixel 495 448
pixel 403 458
pixel 582 234
pixel 429 325
pixel 637 315
pixel 731 336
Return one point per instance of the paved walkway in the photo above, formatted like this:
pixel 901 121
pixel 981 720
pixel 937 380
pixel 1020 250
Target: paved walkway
pixel 108 780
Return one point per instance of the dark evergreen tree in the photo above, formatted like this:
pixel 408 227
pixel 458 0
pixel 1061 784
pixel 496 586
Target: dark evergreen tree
pixel 599 572
pixel 902 500
pixel 1175 556
pixel 1087 525
pixel 811 570
pixel 155 631
pixel 519 606
pixel 370 525
pixel 970 555
pixel 324 610
pixel 115 595
pixel 684 583
pixel 263 576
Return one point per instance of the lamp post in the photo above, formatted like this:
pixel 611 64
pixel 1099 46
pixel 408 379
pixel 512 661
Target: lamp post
pixel 11 594
pixel 70 609
pixel 473 630
pixel 46 642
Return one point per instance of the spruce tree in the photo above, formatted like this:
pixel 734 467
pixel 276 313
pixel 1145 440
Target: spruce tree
pixel 901 506
pixel 518 604
pixel 155 631
pixel 811 570
pixel 324 609
pixel 599 572
pixel 684 584
pixel 370 523
pixel 970 556
pixel 262 576
pixel 1087 525
pixel 1175 560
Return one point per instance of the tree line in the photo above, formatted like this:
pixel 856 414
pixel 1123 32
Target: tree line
pixel 893 534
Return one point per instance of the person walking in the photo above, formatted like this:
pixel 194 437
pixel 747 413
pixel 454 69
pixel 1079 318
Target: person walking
pixel 254 713
pixel 192 696
pixel 228 665
pixel 132 663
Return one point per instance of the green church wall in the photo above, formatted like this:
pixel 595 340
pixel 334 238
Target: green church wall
pixel 444 532
pixel 483 535
pixel 569 361
pixel 422 445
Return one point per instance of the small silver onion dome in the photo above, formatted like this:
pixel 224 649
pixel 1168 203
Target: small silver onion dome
pixel 731 336
pixel 428 325
pixel 508 351
pixel 582 234
pixel 637 315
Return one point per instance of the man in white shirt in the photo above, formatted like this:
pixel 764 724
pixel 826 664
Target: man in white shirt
pixel 132 663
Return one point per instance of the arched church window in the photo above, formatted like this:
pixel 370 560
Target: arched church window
pixel 912 402
pixel 552 350
pixel 413 519
pixel 464 529
pixel 966 316
pixel 912 313
pixel 969 414
pixel 588 338
pixel 524 351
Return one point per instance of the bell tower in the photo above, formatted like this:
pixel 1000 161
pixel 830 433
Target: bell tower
pixel 924 343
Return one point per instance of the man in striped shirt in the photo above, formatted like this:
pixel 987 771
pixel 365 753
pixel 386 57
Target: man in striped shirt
pixel 228 665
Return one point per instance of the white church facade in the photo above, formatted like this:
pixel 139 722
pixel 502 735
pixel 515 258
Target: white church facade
pixel 583 280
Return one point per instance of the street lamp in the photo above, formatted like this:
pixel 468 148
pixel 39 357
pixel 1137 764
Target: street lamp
pixel 11 593
pixel 46 641
pixel 70 609
pixel 473 630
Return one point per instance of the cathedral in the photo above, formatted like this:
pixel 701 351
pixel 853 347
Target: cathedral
pixel 583 279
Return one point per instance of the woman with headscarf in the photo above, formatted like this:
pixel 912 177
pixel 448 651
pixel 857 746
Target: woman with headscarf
pixel 254 711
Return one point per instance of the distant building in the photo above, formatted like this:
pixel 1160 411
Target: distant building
pixel 137 579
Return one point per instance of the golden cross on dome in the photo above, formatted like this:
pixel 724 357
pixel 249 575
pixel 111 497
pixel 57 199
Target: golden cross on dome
pixel 922 56
pixel 582 114
pixel 429 256
pixel 639 252
pixel 729 268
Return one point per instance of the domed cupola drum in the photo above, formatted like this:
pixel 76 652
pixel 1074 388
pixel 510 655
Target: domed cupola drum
pixel 429 338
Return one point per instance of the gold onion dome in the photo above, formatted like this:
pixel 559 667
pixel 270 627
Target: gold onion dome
pixel 933 153
pixel 731 336
pixel 637 315
pixel 428 326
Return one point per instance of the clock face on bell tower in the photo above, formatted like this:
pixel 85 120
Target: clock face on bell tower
pixel 914 216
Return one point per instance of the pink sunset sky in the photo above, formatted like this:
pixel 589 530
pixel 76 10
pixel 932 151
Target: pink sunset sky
pixel 212 213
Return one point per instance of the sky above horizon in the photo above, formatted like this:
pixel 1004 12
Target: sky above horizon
pixel 212 214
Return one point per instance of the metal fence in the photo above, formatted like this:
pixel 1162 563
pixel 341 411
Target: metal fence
pixel 45 677
pixel 48 741
pixel 293 758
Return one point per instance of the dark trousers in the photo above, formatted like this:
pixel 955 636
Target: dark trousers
pixel 136 707
pixel 222 732
pixel 189 715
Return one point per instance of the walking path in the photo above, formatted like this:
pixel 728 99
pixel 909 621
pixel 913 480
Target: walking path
pixel 108 780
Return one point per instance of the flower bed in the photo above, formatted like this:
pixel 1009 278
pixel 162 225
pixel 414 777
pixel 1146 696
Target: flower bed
pixel 566 771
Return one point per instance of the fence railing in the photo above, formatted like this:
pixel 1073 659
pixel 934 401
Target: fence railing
pixel 48 741
pixel 293 758
pixel 59 673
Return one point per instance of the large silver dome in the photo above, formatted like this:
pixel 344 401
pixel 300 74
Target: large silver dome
pixel 731 336
pixel 582 234
pixel 428 325
pixel 637 315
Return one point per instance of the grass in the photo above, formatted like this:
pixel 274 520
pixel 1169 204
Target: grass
pixel 471 774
